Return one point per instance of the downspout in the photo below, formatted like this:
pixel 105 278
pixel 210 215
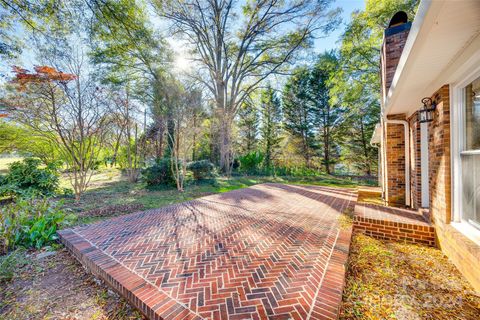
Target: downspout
pixel 407 154
pixel 380 160
pixel 380 163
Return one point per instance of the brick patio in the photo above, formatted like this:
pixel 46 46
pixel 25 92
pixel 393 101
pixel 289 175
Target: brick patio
pixel 269 251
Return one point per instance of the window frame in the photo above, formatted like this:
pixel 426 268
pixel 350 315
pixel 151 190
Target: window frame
pixel 457 143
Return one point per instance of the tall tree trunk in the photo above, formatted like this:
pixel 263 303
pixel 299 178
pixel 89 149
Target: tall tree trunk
pixel 225 147
pixel 117 146
pixel 225 141
pixel 225 123
pixel 129 138
pixel 326 149
pixel 268 147
pixel 159 141
pixel 326 156
pixel 133 175
pixel 306 151
pixel 170 133
pixel 194 138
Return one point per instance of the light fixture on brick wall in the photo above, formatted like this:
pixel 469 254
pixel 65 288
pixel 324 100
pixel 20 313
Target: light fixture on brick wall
pixel 425 114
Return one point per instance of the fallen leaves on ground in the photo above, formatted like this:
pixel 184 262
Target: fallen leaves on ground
pixel 57 287
pixel 391 280
pixel 112 210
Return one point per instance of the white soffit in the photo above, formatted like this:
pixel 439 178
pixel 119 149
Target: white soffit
pixel 441 31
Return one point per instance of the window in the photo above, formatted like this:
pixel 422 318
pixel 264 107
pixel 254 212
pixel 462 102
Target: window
pixel 470 155
pixel 472 116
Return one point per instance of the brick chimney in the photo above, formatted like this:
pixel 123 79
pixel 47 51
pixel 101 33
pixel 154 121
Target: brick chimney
pixel 394 39
pixel 393 144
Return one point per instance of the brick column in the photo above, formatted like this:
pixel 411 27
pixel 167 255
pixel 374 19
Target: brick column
pixel 415 162
pixel 395 162
pixel 439 160
pixel 393 44
pixel 394 142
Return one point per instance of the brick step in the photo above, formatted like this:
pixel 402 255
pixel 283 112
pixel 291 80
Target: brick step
pixel 393 224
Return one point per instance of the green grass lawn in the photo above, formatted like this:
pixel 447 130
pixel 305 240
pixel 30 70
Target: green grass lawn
pixel 108 187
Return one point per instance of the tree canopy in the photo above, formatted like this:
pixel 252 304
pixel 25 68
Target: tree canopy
pixel 96 82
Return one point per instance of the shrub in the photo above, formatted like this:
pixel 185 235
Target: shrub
pixel 202 169
pixel 159 174
pixel 31 223
pixel 251 162
pixel 28 179
pixel 295 171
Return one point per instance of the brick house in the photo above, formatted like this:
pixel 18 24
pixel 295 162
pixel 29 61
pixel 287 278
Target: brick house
pixel 429 135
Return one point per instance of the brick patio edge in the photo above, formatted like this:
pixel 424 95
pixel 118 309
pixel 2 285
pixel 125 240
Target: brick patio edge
pixel 148 299
pixel 328 302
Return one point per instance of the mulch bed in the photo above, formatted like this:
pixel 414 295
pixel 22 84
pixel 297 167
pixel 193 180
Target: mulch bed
pixel 390 280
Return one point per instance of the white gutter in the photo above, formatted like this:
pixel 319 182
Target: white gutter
pixel 407 154
pixel 417 24
pixel 376 142
pixel 383 160
pixel 388 100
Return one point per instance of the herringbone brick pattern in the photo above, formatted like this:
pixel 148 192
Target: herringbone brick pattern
pixel 270 251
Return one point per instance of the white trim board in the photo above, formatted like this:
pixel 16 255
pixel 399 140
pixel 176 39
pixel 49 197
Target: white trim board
pixel 424 167
pixel 457 120
pixel 444 35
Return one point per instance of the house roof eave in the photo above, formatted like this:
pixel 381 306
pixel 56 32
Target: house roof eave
pixel 442 33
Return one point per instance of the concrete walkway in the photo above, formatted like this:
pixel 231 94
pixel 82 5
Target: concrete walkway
pixel 271 251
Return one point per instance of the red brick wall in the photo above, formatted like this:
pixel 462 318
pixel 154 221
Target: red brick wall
pixel 415 162
pixel 464 253
pixel 392 48
pixel 439 159
pixel 394 143
pixel 395 162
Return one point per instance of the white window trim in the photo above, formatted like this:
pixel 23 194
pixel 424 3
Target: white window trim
pixel 457 120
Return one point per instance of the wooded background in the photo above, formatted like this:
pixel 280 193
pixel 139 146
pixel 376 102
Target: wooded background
pixel 95 83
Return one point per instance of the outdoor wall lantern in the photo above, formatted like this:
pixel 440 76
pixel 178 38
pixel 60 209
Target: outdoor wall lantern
pixel 425 114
